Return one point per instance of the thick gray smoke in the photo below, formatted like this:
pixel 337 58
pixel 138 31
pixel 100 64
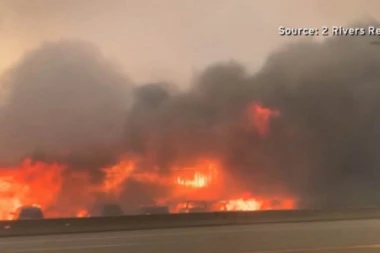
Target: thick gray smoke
pixel 323 147
pixel 329 96
pixel 64 101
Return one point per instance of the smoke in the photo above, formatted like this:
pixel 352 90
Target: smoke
pixel 64 101
pixel 171 40
pixel 328 93
pixel 322 148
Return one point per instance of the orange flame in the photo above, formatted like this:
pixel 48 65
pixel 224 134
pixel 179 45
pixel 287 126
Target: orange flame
pixel 38 183
pixel 199 181
pixel 243 205
pixel 260 116
pixel 202 184
pixel 82 213
pixel 116 175
pixel 199 177
pixel 23 186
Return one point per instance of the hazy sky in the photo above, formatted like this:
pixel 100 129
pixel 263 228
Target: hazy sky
pixel 168 39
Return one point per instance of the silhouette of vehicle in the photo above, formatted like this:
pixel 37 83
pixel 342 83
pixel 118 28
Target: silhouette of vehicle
pixel 29 213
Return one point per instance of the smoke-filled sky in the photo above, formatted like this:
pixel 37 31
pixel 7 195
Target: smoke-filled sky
pixel 168 39
pixel 71 98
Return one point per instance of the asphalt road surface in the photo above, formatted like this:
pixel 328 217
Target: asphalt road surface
pixel 316 237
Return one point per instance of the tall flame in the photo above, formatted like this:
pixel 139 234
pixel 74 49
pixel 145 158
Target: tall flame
pixel 30 183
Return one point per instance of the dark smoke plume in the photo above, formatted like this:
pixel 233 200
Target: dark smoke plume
pixel 329 97
pixel 324 145
pixel 64 101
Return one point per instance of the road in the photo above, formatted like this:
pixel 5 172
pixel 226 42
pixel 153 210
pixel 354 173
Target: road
pixel 320 237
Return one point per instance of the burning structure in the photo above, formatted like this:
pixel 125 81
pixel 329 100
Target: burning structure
pixel 302 132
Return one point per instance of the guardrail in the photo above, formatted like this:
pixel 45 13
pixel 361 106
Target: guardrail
pixel 139 222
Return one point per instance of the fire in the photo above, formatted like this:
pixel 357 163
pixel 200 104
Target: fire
pixel 207 189
pixel 243 205
pixel 199 181
pixel 199 177
pixel 31 183
pixel 260 117
pixel 116 175
pixel 259 203
pixel 201 184
pixel 39 183
pixel 82 213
